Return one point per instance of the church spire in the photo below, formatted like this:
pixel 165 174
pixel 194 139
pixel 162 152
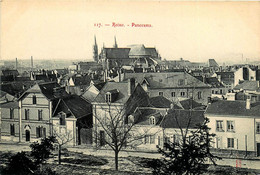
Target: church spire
pixel 115 45
pixel 95 50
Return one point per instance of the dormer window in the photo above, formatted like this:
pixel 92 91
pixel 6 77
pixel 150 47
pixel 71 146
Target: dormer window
pixel 108 97
pixel 152 120
pixel 111 96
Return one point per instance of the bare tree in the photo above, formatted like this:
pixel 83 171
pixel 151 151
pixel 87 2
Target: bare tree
pixel 114 124
pixel 62 137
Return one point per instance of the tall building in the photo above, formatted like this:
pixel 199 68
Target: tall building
pixel 95 50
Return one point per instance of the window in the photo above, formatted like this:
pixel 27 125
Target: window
pixel 11 113
pixel 181 82
pixel 173 94
pixel 152 120
pixel 221 91
pixel 146 139
pixel 230 125
pixel 199 95
pixel 34 99
pixel 12 130
pixel 27 112
pixel 161 93
pixel 212 91
pixel 159 140
pixel 108 98
pixel 40 132
pixel 62 119
pixel 152 139
pixel 230 142
pixel 39 115
pixel 219 125
pixel 182 94
pixel 258 128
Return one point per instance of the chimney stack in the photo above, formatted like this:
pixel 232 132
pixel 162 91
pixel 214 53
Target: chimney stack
pixel 16 63
pixel 248 102
pixel 32 62
pixel 131 86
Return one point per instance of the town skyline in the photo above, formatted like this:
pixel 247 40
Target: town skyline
pixel 224 31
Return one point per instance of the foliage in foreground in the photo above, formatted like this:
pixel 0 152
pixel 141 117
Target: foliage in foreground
pixel 189 155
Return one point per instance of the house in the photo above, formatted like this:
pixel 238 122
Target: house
pixel 29 118
pixel 244 73
pixel 158 126
pixel 116 99
pixel 72 120
pixel 227 78
pixel 78 83
pixel 172 85
pixel 248 88
pixel 236 125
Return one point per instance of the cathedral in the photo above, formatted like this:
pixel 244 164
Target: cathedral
pixel 136 56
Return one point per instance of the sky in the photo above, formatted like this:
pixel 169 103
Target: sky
pixel 65 29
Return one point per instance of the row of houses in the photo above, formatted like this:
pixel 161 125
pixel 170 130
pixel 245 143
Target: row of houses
pixel 169 100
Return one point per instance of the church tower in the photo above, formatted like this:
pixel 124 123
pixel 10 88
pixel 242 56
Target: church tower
pixel 115 45
pixel 95 50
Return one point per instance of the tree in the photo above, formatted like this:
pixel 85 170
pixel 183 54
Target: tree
pixel 112 123
pixel 62 137
pixel 41 151
pixel 190 154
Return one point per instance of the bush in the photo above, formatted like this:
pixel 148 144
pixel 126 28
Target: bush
pixel 20 164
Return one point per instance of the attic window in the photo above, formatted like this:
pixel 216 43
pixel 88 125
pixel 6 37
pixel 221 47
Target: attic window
pixel 34 99
pixel 108 97
pixel 62 119
pixel 152 120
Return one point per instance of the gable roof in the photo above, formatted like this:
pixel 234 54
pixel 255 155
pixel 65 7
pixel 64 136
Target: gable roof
pixel 248 85
pixel 16 88
pixel 116 53
pixel 81 80
pixel 183 118
pixel 190 104
pixel 214 82
pixel 234 108
pixel 73 105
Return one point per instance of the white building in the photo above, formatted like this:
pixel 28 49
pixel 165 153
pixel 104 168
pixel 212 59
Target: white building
pixel 236 125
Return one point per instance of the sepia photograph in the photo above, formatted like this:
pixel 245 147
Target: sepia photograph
pixel 127 87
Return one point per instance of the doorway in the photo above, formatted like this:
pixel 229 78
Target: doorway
pixel 27 135
pixel 258 149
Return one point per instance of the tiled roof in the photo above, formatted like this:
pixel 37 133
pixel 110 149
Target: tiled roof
pixel 12 104
pixel 183 118
pixel 138 50
pixel 248 85
pixel 122 87
pixel 82 80
pixel 234 108
pixel 190 104
pixel 161 102
pixel 16 88
pixel 117 53
pixel 75 106
pixel 167 79
pixel 214 82
pixel 213 63
pixel 142 116
pixel 151 52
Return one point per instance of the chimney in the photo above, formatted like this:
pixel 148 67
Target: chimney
pixel 248 102
pixel 32 62
pixel 16 63
pixel 131 86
